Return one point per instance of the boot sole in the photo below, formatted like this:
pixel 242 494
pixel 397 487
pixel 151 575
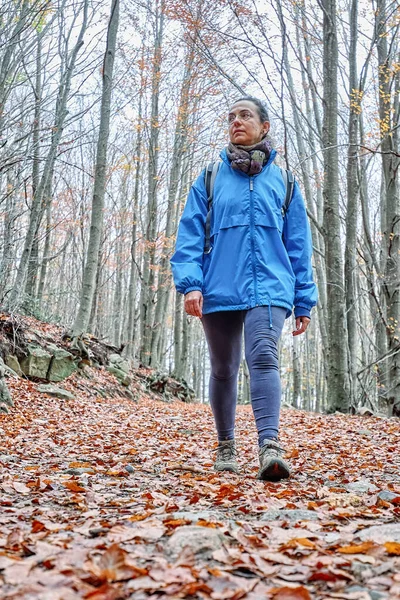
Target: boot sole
pixel 275 471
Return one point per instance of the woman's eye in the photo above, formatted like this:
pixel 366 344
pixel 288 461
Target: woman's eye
pixel 246 116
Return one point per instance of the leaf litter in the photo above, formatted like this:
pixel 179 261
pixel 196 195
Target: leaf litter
pixel 94 493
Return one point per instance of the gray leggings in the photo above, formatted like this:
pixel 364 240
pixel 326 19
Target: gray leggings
pixel 262 330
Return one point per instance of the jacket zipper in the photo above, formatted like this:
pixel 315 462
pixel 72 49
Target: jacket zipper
pixel 252 238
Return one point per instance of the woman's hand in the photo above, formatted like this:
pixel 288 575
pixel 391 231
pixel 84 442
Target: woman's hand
pixel 301 325
pixel 194 304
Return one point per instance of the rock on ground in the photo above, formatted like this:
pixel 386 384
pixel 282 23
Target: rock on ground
pixel 289 515
pixel 380 534
pixel 55 391
pixel 200 540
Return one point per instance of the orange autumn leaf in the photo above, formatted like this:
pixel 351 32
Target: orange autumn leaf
pixel 359 549
pixel 393 548
pixel 287 593
pixel 72 486
pixel 38 526
pixel 293 543
pixel 203 523
pixel 140 517
pixel 175 522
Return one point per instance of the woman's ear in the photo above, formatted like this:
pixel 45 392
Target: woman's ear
pixel 266 126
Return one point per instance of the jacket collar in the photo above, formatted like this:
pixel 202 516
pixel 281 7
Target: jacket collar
pixel 225 158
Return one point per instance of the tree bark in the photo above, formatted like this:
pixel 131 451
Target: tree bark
pixel 164 278
pixel 338 384
pixel 391 224
pixel 96 224
pixel 350 261
pixel 148 276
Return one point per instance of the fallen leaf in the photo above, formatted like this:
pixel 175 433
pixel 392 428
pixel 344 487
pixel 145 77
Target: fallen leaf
pixel 72 486
pixel 287 593
pixel 21 488
pixel 359 549
pixel 112 566
pixel 393 548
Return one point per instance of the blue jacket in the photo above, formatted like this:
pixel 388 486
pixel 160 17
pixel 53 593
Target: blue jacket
pixel 258 258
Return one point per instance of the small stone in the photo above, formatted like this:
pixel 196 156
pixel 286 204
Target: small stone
pixel 381 533
pixel 361 487
pixel 289 515
pixel 96 531
pixel 55 391
pixel 373 594
pixel 366 432
pixel 202 541
pixel 387 496
pixel 194 517
pixel 129 468
pixel 80 471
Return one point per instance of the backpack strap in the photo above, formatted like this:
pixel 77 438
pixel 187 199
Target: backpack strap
pixel 209 180
pixel 288 179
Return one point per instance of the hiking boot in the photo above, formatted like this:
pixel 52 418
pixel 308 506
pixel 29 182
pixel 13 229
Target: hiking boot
pixel 272 465
pixel 226 457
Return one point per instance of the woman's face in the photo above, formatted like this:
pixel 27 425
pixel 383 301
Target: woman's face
pixel 245 125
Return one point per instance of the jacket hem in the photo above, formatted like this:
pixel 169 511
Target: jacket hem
pixel 224 307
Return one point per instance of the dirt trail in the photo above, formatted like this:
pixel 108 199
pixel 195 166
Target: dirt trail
pixel 108 499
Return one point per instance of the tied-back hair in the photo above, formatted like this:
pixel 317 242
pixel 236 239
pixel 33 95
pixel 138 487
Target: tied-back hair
pixel 260 104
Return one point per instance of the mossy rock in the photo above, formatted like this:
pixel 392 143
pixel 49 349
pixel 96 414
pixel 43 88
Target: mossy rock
pixel 122 377
pixel 62 365
pixel 37 363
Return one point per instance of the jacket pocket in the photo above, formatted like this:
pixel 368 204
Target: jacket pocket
pixel 228 221
pixel 270 219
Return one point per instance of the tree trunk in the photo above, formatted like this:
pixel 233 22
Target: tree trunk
pixel 96 224
pixel 338 386
pixel 9 236
pixel 391 226
pixel 31 282
pixel 133 273
pixel 164 278
pixel 297 383
pixel 148 276
pixel 350 263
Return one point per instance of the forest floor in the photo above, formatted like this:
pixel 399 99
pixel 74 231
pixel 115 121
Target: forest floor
pixel 110 499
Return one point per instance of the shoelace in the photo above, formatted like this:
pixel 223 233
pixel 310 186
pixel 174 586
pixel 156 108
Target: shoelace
pixel 226 452
pixel 272 447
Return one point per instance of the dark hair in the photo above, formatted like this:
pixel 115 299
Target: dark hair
pixel 260 105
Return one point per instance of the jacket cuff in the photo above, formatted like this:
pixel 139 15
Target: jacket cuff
pixel 300 311
pixel 194 288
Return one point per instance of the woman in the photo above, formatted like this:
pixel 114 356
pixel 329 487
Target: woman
pixel 258 270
